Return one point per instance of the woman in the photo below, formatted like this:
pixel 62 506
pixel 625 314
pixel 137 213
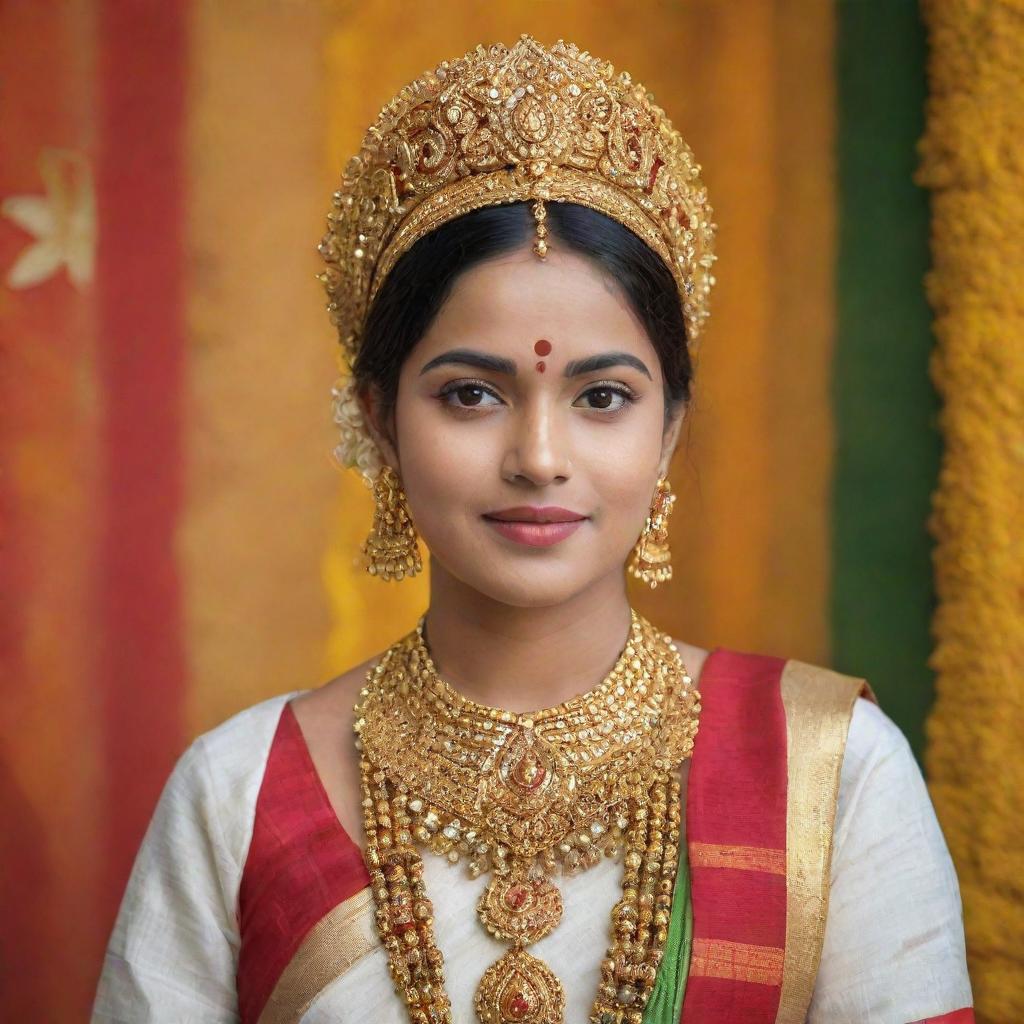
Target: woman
pixel 518 263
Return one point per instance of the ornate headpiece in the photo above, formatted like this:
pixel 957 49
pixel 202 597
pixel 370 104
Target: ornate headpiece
pixel 503 125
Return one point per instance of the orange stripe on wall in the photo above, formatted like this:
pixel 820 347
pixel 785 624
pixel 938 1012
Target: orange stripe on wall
pixel 751 529
pixel 724 511
pixel 259 432
pixel 799 430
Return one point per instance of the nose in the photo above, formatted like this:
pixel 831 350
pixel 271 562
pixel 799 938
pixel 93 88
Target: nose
pixel 538 447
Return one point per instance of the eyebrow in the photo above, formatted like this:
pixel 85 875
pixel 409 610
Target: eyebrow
pixel 498 364
pixel 603 361
pixel 470 357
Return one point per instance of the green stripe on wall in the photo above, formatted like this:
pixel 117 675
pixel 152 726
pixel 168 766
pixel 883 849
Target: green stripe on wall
pixel 888 447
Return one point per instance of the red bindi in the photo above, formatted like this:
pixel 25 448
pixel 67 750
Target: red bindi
pixel 540 366
pixel 542 347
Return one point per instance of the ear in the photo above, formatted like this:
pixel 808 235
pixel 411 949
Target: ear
pixel 380 424
pixel 671 439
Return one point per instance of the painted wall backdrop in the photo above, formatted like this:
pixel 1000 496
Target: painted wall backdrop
pixel 177 543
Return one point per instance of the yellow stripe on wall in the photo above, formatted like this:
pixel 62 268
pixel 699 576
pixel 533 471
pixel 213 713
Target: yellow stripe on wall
pixel 972 158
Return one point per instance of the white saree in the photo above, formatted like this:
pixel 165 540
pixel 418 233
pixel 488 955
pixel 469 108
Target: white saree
pixel 893 947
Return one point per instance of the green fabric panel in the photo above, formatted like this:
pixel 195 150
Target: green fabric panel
pixel 665 1005
pixel 888 447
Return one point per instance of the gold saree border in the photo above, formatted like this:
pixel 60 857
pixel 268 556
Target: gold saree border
pixel 736 961
pixel 332 946
pixel 818 705
pixel 739 858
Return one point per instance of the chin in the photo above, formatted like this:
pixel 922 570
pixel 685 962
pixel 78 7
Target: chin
pixel 517 583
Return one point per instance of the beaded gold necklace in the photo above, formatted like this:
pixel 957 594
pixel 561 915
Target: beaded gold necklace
pixel 522 795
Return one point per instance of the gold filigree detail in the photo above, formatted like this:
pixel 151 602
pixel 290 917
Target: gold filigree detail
pixel 652 559
pixel 391 551
pixel 519 909
pixel 519 989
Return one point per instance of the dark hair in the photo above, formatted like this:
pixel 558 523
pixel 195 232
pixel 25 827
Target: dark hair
pixel 421 280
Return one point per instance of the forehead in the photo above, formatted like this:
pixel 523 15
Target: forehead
pixel 517 299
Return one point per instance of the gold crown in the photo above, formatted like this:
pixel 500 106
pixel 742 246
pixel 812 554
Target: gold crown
pixel 502 125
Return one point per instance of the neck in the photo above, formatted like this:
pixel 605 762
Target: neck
pixel 525 659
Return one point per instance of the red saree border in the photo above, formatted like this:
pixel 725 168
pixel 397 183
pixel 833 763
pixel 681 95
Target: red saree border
pixel 964 1016
pixel 301 864
pixel 736 838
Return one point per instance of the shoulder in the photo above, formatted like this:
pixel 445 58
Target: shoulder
pixel 230 757
pixel 215 782
pixel 820 698
pixel 881 783
pixel 326 712
pixel 873 737
pixel 232 743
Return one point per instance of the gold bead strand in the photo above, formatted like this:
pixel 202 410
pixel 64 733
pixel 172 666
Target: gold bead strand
pixel 646 968
pixel 648 921
pixel 633 990
pixel 423 957
pixel 615 968
pixel 378 883
pixel 670 861
pixel 416 981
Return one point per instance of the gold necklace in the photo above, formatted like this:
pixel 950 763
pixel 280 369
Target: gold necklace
pixel 522 795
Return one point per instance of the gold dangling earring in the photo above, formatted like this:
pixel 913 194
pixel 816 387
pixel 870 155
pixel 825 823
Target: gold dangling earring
pixel 651 556
pixel 390 549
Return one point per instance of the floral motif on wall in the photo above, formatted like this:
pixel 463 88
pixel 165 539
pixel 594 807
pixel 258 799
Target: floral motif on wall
pixel 62 222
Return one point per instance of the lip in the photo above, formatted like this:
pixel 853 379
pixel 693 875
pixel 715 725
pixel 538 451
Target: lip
pixel 535 534
pixel 536 526
pixel 535 514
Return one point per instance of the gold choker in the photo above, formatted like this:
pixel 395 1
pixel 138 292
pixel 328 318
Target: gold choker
pixel 524 796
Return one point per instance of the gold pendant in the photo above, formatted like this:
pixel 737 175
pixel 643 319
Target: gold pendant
pixel 519 989
pixel 514 908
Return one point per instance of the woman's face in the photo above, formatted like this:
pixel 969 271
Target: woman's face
pixel 535 393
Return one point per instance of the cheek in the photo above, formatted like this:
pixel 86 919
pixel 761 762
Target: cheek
pixel 621 461
pixel 443 466
pixel 626 489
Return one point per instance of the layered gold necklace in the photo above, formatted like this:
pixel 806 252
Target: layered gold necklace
pixel 522 796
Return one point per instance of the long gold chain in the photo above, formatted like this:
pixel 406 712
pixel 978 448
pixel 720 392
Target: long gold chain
pixel 522 796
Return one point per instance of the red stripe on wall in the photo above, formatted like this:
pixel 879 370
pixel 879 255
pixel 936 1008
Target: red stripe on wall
pixel 140 293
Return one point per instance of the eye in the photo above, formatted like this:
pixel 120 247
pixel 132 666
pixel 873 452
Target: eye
pixel 467 394
pixel 609 397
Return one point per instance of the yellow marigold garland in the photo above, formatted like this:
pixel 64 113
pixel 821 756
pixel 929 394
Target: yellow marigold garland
pixel 973 160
